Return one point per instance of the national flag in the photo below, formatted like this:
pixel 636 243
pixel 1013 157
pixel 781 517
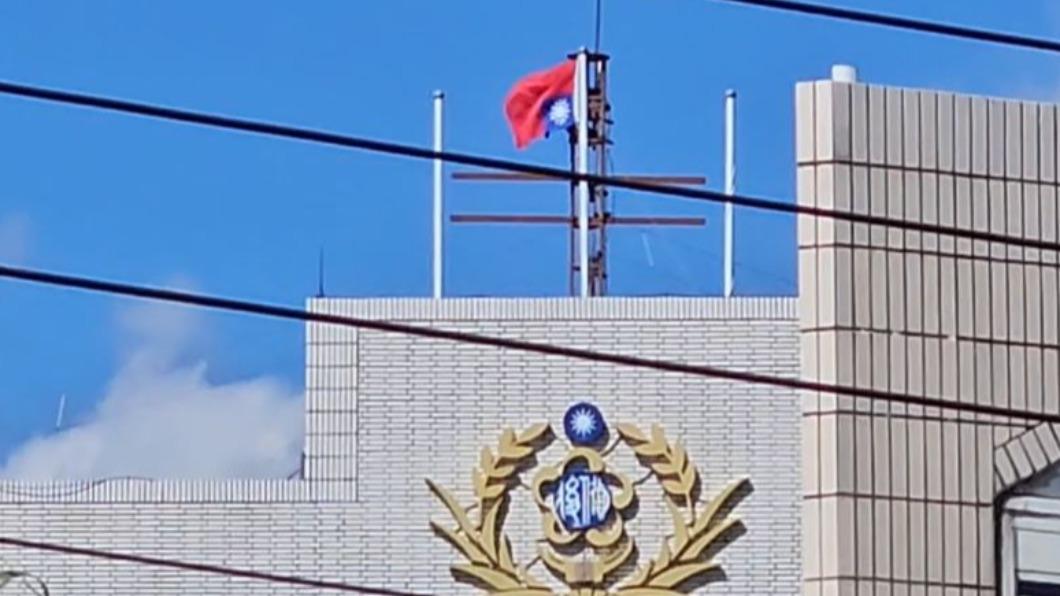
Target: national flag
pixel 541 102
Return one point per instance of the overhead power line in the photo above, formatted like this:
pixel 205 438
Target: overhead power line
pixel 706 371
pixel 291 580
pixel 366 144
pixel 908 24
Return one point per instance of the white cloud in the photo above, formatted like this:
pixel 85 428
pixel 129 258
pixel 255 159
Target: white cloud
pixel 161 416
pixel 14 238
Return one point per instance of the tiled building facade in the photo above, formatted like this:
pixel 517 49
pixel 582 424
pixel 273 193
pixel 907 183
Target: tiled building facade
pixel 384 412
pixel 905 499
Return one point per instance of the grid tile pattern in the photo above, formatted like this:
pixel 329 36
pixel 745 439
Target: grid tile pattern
pixel 900 499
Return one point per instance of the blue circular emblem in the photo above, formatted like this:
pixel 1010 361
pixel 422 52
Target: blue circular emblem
pixel 584 424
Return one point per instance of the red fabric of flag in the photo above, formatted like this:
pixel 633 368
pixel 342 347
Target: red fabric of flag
pixel 526 102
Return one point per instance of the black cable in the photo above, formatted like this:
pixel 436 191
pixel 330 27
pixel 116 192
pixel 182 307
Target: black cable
pixel 291 580
pixel 896 22
pixel 712 372
pixel 337 140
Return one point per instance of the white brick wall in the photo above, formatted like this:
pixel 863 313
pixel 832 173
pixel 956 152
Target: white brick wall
pixel 386 411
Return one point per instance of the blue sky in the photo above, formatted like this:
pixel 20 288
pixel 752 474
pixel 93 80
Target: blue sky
pixel 153 202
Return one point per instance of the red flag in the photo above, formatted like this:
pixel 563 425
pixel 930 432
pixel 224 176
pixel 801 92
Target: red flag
pixel 539 102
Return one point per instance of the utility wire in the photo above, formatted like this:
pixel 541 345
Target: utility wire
pixel 367 144
pixel 897 22
pixel 291 580
pixel 711 372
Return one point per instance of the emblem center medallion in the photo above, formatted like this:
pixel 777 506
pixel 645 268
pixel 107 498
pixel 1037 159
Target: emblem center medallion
pixel 581 500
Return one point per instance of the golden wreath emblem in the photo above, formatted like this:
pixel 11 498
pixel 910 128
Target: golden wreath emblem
pixel 584 504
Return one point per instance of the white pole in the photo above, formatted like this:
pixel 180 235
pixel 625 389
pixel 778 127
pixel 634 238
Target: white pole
pixel 439 99
pixel 581 115
pixel 730 184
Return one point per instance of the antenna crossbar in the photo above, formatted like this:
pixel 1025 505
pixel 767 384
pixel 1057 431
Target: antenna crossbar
pixel 611 220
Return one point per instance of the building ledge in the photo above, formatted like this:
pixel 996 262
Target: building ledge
pixel 137 490
pixel 500 309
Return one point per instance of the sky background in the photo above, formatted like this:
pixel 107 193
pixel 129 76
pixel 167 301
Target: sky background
pixel 160 203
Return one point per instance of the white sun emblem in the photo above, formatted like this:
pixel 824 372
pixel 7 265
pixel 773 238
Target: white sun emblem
pixel 583 422
pixel 559 112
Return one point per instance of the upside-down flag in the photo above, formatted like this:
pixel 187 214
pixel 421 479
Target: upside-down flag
pixel 541 102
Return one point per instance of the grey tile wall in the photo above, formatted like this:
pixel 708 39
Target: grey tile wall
pixel 902 498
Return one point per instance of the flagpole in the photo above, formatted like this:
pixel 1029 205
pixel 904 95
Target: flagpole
pixel 439 99
pixel 581 115
pixel 730 186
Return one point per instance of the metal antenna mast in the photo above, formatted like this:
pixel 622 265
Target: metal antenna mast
pixel 600 217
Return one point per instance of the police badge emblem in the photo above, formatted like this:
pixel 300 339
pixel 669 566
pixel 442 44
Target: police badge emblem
pixel 584 503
